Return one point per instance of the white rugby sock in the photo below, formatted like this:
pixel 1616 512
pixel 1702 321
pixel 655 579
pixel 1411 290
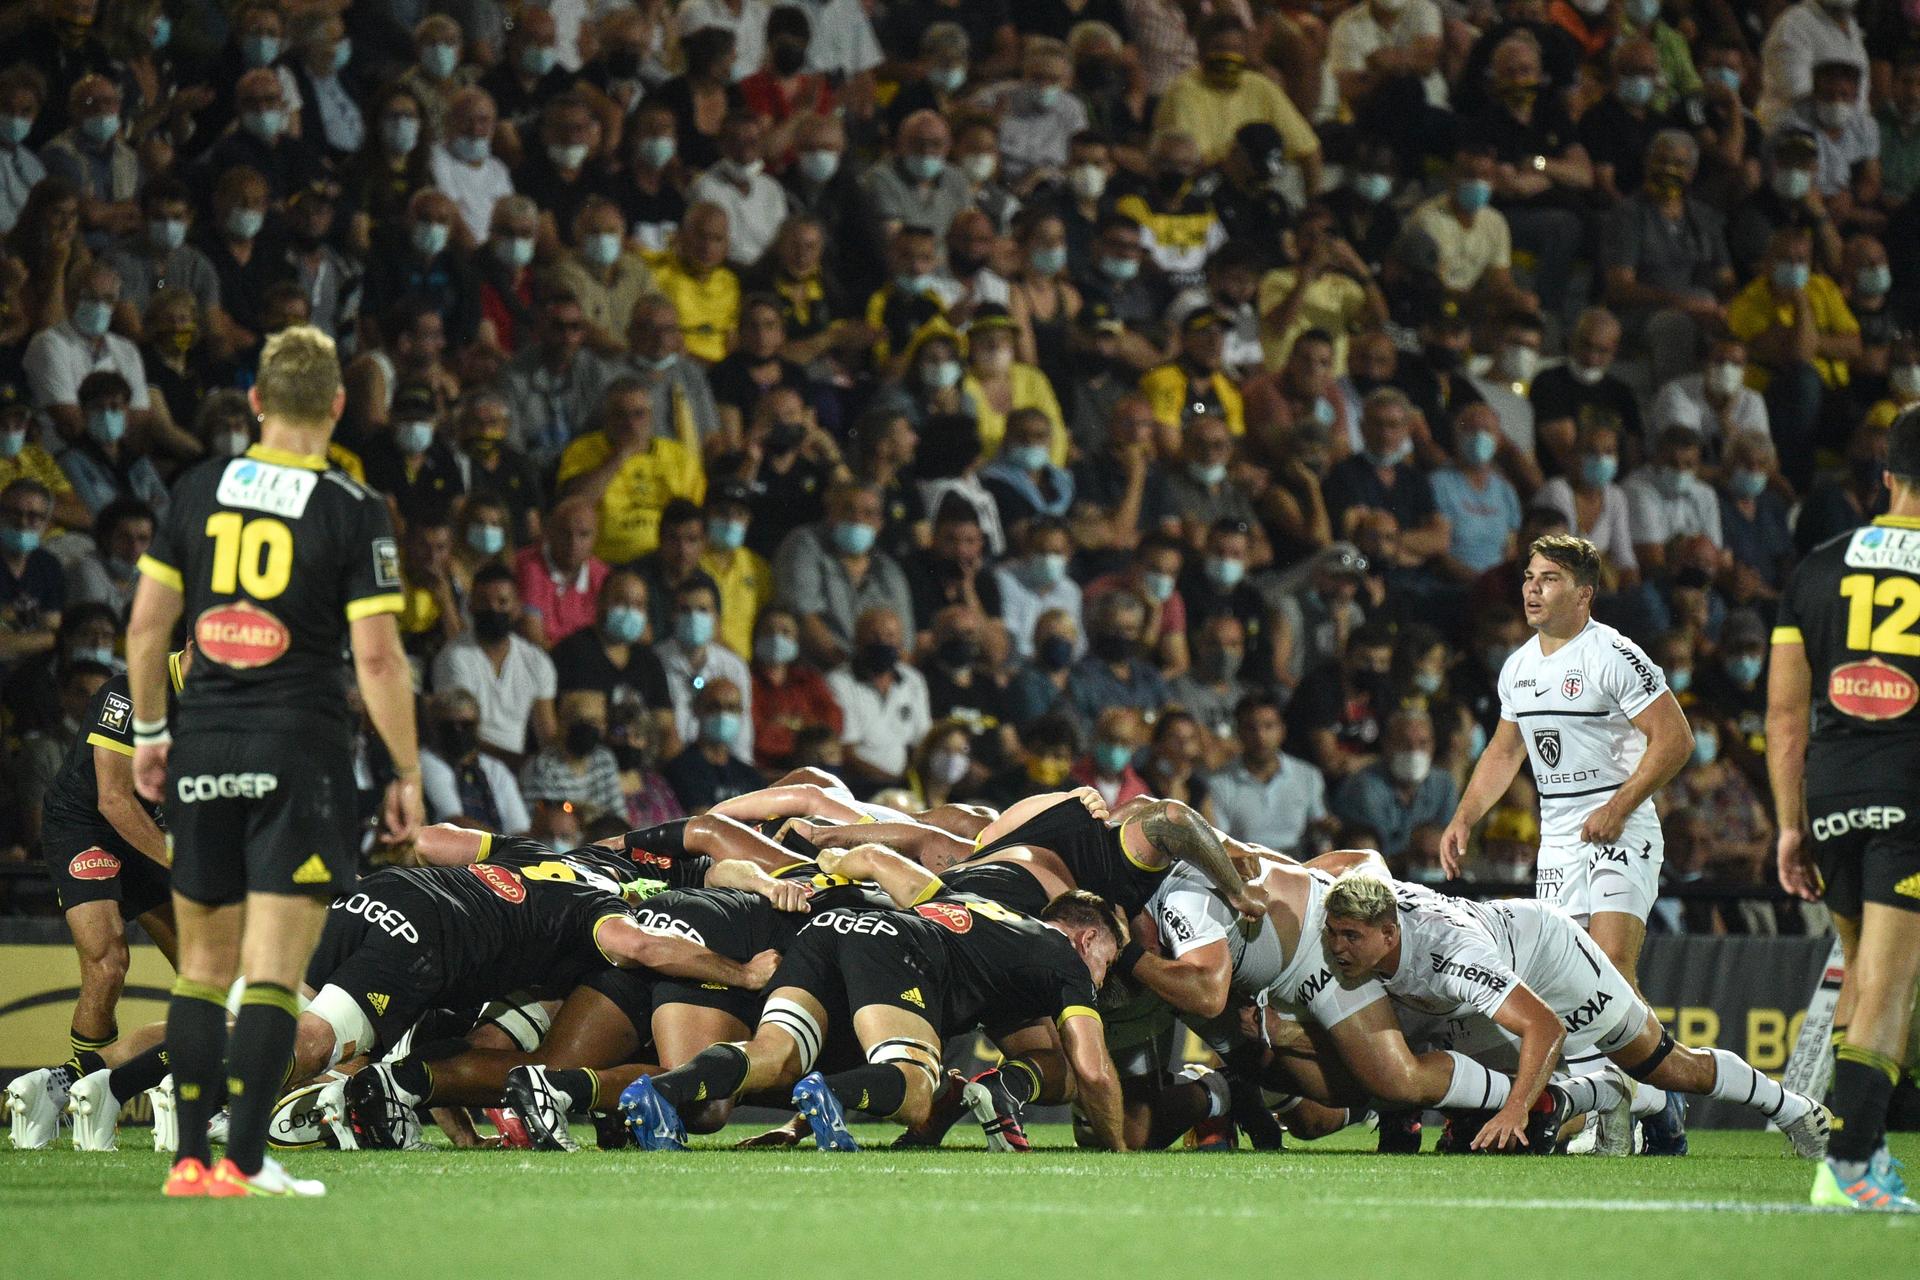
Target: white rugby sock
pixel 1648 1101
pixel 1596 1092
pixel 1735 1081
pixel 1473 1087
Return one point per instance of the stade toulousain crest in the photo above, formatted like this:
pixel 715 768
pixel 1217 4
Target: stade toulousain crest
pixel 1547 743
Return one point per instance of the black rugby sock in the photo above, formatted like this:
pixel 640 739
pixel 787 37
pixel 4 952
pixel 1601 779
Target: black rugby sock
pixel 879 1089
pixel 712 1074
pixel 197 1043
pixel 86 1057
pixel 416 1077
pixel 1862 1087
pixel 138 1073
pixel 1023 1080
pixel 577 1083
pixel 256 1068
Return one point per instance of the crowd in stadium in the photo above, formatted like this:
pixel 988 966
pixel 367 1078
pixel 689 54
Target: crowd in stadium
pixel 977 399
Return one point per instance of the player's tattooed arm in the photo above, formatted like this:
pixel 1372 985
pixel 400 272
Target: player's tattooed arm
pixel 1173 831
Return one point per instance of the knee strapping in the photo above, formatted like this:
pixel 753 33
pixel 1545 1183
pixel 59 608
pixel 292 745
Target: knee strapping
pixel 1654 1059
pixel 799 1025
pixel 905 1052
pixel 525 1022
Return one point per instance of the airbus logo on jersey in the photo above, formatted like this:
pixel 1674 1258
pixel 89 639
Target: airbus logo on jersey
pixel 1648 681
pixel 1547 743
pixel 1467 972
pixel 1588 1013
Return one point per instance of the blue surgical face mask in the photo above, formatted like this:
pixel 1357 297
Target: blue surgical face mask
pixel 1120 269
pixel 1476 741
pixel 625 623
pixel 1472 194
pixel 14 129
pixel 1744 669
pixel 1874 280
pixel 1680 679
pixel 107 425
pixel 947 79
pixel 1049 569
pixel 1028 457
pixel 776 649
pixel 264 125
pixel 1045 96
pixel 720 726
pixel 1728 76
pixel 1225 573
pixel 167 233
pixel 941 374
pixel 1788 276
pixel 538 59
pixel 1706 748
pixel 413 438
pixel 258 51
pixel 487 539
pixel 470 150
pixel 1158 586
pixel 342 55
pixel 1634 91
pixel 925 168
pixel 1392 457
pixel 1599 469
pixel 694 628
pixel 244 224
pixel 105 657
pixel 1643 12
pixel 1428 682
pixel 19 542
pixel 1372 187
pixel 912 283
pixel 100 130
pixel 657 151
pixel 439 60
pixel 726 535
pixel 819 166
pixel 430 238
pixel 1480 448
pixel 400 134
pixel 1747 484
pixel 602 249
pixel 1323 411
pixel 853 539
pixel 92 317
pixel 1207 473
pixel 1111 757
pixel 515 251
pixel 1049 261
pixel 12 442
pixel 569 155
pixel 161 33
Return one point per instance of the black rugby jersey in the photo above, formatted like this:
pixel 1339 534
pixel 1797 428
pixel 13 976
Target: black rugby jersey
pixel 1000 965
pixel 73 800
pixel 1091 850
pixel 1854 603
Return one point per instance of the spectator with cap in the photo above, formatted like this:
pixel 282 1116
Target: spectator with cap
pixel 830 574
pixel 511 678
pixel 1471 242
pixel 1116 671
pixel 559 577
pixel 413 462
pixel 743 578
pixel 1667 498
pixel 22 459
pixel 1267 795
pixel 883 699
pixel 1253 212
pixel 788 694
pixel 1790 198
pixel 1195 384
pixel 710 768
pixel 1212 101
pixel 493 469
pixel 1313 622
pixel 629 472
pixel 1716 402
pixel 614 656
pixel 324 273
pixel 1401 795
pixel 460 782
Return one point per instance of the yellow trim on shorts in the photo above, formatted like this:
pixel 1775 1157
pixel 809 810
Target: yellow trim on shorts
pixel 162 572
pixel 611 915
pixel 1788 635
pixel 486 846
pixel 368 606
pixel 174 673
pixel 929 893
pixel 1077 1011
pixel 114 745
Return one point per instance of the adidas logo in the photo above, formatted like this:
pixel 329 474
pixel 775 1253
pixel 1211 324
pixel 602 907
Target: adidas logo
pixel 1910 887
pixel 702 1095
pixel 379 1002
pixel 312 871
pixel 862 1104
pixel 912 996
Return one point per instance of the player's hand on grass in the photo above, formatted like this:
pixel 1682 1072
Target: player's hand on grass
pixel 1603 825
pixel 150 772
pixel 1453 848
pixel 787 1135
pixel 1507 1130
pixel 1798 876
pixel 760 970
pixel 403 810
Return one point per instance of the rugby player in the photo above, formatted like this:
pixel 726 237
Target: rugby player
pixel 1846 659
pixel 899 983
pixel 1594 717
pixel 107 857
pixel 279 563
pixel 1529 968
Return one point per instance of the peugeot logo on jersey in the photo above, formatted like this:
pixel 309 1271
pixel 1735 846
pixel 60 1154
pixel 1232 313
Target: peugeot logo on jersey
pixel 1547 743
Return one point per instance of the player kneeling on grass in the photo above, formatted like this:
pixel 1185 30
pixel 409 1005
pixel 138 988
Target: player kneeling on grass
pixel 1560 996
pixel 900 983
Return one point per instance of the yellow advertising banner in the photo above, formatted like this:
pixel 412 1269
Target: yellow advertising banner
pixel 38 984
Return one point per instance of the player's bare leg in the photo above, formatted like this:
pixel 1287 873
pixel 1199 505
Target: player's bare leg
pixel 100 942
pixel 792 1031
pixel 680 1032
pixel 1621 936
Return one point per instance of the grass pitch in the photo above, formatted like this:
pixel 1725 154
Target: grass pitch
pixel 1736 1207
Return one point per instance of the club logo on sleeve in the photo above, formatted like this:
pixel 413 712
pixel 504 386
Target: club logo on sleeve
pixel 1872 690
pixel 114 713
pixel 94 864
pixel 386 563
pixel 1571 684
pixel 503 882
pixel 1547 743
pixel 241 636
pixel 950 915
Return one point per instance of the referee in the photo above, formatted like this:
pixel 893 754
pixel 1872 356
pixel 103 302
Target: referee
pixel 278 563
pixel 1846 656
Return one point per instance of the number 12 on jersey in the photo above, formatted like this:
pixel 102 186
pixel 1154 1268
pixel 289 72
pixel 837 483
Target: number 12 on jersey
pixel 1894 633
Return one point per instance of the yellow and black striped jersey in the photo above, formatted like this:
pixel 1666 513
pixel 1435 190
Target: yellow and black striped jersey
pixel 1854 603
pixel 274 555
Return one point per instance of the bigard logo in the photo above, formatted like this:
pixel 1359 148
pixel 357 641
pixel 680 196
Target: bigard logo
pixel 1547 743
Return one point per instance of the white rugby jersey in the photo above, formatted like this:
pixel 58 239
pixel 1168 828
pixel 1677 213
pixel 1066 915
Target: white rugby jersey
pixel 1575 713
pixel 1456 957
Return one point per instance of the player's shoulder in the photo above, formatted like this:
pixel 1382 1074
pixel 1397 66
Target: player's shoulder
pixel 1519 660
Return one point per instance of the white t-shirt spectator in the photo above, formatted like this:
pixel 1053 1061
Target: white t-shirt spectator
pixel 474 188
pixel 1803 37
pixel 506 696
pixel 749 27
pixel 1276 812
pixel 441 791
pixel 1683 403
pixel 59 359
pixel 843 40
pixel 1837 156
pixel 753 215
pixel 882 729
pixel 1021 605
pixel 1465 252
pixel 1655 515
pixel 1357 35
pixel 685 678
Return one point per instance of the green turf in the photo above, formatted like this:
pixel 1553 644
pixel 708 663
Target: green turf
pixel 1730 1209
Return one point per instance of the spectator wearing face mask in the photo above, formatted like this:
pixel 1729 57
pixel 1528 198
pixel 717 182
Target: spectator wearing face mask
pixel 1115 672
pixel 20 459
pixel 1035 582
pixel 1753 518
pixel 1211 688
pixel 788 694
pixel 738 183
pixel 105 464
pixel 412 462
pixel 743 578
pixel 459 781
pixel 1733 686
pixel 1155 575
pixel 1401 795
pixel 511 678
pixel 942 766
pixel 710 768
pixel 578 768
pixel 1039 685
pixel 1337 713
pixel 1212 101
pixel 1846 143
pixel 1716 403
pixel 1899 121
pixel 1667 499
pixel 1803 36
pixel 121 534
pixel 1215 581
pixel 883 700
pixel 1384 478
pixel 1024 483
pixel 60 358
pixel 604 273
pixel 1107 767
pixel 1866 281
pixel 613 658
pixel 1593 505
pixel 830 572
pixel 1472 243
pixel 1583 390
pixel 692 659
pixel 1481 506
